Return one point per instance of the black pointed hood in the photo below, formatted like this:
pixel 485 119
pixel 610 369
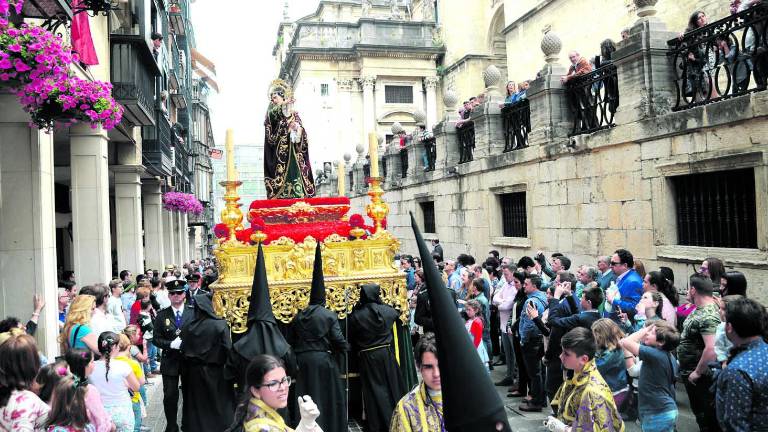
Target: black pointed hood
pixel 260 306
pixel 460 366
pixel 317 295
pixel 263 336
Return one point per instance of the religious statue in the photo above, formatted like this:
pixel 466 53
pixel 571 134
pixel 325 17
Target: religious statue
pixel 367 8
pixel 287 171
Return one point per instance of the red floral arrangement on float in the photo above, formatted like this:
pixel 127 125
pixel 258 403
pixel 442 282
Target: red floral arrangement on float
pixel 221 230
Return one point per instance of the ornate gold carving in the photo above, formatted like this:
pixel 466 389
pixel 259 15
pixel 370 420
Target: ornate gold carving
pixel 377 209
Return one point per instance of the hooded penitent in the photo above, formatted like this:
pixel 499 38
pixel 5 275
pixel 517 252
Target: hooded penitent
pixel 263 336
pixel 460 366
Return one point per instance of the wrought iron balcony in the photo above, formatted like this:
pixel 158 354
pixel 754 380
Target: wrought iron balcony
pixel 156 146
pixel 430 147
pixel 516 120
pixel 133 72
pixel 594 98
pixel 177 16
pixel 466 139
pixel 720 60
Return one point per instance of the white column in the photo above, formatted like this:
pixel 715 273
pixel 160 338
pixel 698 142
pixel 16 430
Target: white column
pixel 431 85
pixel 181 238
pixel 193 253
pixel 128 218
pixel 185 237
pixel 90 204
pixel 27 222
pixel 343 112
pixel 369 114
pixel 169 236
pixel 152 205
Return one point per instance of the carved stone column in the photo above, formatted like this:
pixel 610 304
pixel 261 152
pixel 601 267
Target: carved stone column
pixel 430 84
pixel 369 112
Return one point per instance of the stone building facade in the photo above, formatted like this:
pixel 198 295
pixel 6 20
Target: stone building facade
pixel 637 183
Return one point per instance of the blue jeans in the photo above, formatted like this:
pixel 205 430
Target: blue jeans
pixel 136 416
pixel 660 422
pixel 152 354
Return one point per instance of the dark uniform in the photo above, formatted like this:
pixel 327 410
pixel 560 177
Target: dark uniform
pixel 370 329
pixel 167 329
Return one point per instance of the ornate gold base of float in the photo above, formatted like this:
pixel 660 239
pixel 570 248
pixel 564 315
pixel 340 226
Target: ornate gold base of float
pixel 349 260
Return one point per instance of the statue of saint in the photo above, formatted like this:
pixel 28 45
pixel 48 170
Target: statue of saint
pixel 287 171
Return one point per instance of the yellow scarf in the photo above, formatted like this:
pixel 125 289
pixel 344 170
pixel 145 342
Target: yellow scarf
pixel 268 419
pixel 586 402
pixel 420 417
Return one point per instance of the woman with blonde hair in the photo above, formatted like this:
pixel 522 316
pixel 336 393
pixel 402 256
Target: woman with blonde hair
pixel 77 332
pixel 611 360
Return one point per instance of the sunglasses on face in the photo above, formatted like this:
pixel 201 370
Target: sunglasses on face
pixel 176 293
pixel 613 263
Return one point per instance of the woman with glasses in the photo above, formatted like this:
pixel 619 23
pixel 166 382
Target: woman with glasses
pixel 266 392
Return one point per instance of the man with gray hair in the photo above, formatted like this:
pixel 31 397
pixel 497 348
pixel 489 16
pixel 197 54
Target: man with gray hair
pixel 579 66
pixel 606 273
pixel 584 275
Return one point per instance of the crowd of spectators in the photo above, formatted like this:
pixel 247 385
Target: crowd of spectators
pixel 98 384
pixel 620 335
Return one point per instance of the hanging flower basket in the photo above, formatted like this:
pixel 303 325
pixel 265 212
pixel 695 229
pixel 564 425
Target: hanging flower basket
pixel 66 102
pixel 30 53
pixel 6 6
pixel 183 202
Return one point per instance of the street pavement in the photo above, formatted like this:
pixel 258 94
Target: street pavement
pixel 519 421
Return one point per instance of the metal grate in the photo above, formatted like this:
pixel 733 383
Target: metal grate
pixel 514 218
pixel 594 98
pixel 716 209
pixel 323 89
pixel 428 211
pixel 398 94
pixel 517 125
pixel 466 138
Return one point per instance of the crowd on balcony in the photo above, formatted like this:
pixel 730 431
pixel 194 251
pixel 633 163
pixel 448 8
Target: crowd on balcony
pixel 109 344
pixel 626 335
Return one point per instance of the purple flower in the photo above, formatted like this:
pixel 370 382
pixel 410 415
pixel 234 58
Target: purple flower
pixel 5 64
pixel 21 66
pixel 14 47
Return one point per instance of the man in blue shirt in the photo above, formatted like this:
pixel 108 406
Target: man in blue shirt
pixel 532 343
pixel 741 399
pixel 629 282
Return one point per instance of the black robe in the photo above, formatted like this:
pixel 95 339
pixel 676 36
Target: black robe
pixel 315 336
pixel 370 330
pixel 209 401
pixel 287 170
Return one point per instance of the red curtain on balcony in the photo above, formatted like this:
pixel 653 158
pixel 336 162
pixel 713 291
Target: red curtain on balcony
pixel 82 43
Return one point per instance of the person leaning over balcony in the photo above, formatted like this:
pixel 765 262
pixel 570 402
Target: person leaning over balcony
pixel 579 66
pixel 511 92
pixel 157 43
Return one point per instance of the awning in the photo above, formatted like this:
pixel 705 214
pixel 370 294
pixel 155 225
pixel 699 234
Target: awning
pixel 197 57
pixel 207 79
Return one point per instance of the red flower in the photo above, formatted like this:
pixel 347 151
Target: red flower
pixel 220 230
pixel 244 235
pixel 257 223
pixel 356 221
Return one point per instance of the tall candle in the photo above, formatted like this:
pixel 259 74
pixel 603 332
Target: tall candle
pixel 373 152
pixel 229 147
pixel 342 177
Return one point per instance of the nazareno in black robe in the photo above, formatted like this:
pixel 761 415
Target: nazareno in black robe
pixel 315 336
pixel 209 401
pixel 370 331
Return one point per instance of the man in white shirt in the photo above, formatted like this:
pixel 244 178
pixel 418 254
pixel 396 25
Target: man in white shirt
pixel 115 311
pixel 504 299
pixel 99 321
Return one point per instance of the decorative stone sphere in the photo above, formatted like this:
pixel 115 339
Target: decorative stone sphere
pixel 491 76
pixel 359 149
pixel 551 45
pixel 397 128
pixel 347 157
pixel 645 7
pixel 449 98
pixel 419 116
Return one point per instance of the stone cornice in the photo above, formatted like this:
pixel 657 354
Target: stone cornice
pixel 534 10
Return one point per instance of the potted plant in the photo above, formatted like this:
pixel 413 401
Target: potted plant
pixel 29 54
pixel 74 99
pixel 183 202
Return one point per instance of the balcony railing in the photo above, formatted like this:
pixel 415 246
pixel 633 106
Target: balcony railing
pixel 133 72
pixel 724 59
pixel 430 149
pixel 516 120
pixel 367 32
pixel 177 10
pixel 403 162
pixel 594 98
pixel 156 146
pixel 466 139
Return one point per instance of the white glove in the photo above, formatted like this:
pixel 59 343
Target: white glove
pixel 309 413
pixel 554 425
pixel 176 343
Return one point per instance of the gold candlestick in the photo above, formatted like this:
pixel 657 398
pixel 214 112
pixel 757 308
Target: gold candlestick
pixel 377 209
pixel 232 216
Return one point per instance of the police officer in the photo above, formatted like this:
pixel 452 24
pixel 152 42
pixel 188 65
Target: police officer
pixel 168 325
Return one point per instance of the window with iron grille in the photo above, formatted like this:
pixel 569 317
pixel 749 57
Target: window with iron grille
pixel 514 217
pixel 716 209
pixel 323 89
pixel 398 94
pixel 428 211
